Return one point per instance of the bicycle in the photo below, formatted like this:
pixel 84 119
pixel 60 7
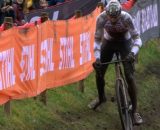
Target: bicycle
pixel 122 96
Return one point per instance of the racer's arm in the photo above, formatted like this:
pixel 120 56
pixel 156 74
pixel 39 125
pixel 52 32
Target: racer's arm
pixel 137 42
pixel 99 32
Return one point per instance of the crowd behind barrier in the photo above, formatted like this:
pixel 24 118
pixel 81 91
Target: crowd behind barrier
pixel 64 11
pixel 17 8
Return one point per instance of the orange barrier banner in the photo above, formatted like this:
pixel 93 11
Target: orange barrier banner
pixel 48 55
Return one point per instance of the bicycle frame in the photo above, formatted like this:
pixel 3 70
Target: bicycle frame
pixel 119 75
pixel 118 70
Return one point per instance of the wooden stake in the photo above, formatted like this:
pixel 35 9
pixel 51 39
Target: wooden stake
pixel 43 95
pixel 8 23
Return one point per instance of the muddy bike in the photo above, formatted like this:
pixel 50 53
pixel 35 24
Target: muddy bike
pixel 122 96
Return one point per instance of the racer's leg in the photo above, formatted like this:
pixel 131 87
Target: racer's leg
pixel 132 88
pixel 106 56
pixel 129 73
pixel 129 70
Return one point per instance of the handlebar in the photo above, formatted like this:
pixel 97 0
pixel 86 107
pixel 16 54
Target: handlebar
pixel 113 62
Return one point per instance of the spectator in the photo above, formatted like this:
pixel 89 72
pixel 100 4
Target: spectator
pixel 36 4
pixel 1 16
pixel 18 9
pixel 39 4
pixel 28 5
pixel 43 4
pixel 6 10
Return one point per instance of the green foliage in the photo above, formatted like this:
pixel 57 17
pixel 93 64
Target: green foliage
pixel 67 107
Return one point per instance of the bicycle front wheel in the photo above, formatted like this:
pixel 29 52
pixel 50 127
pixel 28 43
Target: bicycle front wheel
pixel 123 105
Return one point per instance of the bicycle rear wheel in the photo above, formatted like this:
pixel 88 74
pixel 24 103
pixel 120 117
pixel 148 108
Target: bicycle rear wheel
pixel 123 106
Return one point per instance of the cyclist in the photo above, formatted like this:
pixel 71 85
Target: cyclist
pixel 116 30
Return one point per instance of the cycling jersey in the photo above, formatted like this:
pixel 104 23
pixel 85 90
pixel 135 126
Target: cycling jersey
pixel 123 29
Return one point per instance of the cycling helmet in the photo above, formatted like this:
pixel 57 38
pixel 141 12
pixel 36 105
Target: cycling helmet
pixel 113 9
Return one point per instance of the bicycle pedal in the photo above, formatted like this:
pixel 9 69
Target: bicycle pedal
pixel 113 99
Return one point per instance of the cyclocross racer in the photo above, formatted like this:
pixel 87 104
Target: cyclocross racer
pixel 115 31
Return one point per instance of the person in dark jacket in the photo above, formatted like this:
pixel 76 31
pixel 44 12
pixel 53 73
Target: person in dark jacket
pixel 6 10
pixel 18 10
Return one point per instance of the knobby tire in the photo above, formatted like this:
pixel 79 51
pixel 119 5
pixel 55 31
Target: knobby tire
pixel 122 102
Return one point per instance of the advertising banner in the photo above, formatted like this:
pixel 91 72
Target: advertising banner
pixel 146 18
pixel 52 54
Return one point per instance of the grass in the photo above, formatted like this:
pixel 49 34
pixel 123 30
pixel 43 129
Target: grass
pixel 67 107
